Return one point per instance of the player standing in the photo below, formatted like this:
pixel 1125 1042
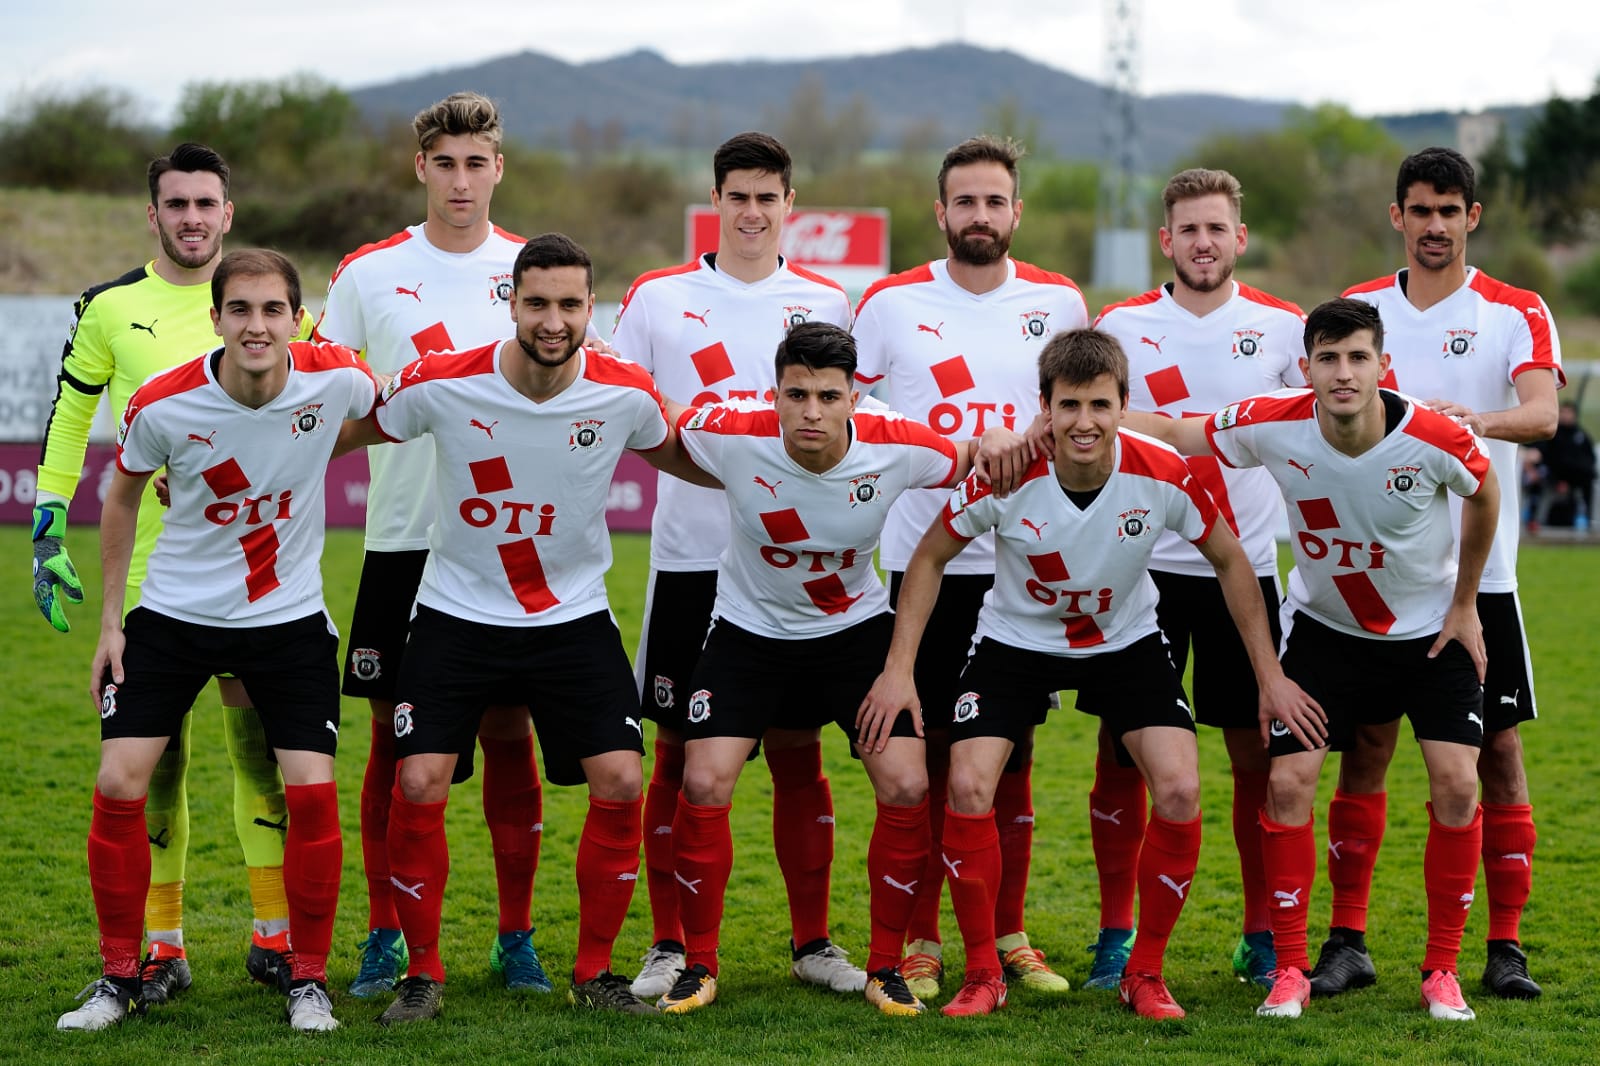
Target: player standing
pixel 956 342
pixel 1487 354
pixel 234 585
pixel 126 330
pixel 444 285
pixel 706 331
pixel 1194 345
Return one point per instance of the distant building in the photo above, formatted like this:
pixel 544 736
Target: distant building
pixel 1475 134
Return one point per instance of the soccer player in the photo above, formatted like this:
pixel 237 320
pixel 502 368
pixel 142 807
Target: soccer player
pixel 1073 607
pixel 149 320
pixel 706 331
pixel 234 584
pixel 1194 345
pixel 443 285
pixel 1367 474
pixel 955 343
pixel 1486 354
pixel 809 483
pixel 512 607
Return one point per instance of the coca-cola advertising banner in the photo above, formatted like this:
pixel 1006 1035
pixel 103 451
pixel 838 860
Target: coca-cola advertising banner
pixel 848 244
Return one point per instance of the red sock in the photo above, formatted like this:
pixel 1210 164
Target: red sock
pixel 1249 796
pixel 1289 854
pixel 418 871
pixel 1355 832
pixel 313 855
pixel 119 876
pixel 1167 862
pixel 1508 840
pixel 924 923
pixel 1116 832
pixel 513 807
pixel 608 868
pixel 1449 870
pixel 896 858
pixel 802 836
pixel 660 808
pixel 970 852
pixel 704 845
pixel 1013 816
pixel 376 788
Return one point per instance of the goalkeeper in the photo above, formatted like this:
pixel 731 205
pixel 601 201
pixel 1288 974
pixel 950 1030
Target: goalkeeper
pixel 151 319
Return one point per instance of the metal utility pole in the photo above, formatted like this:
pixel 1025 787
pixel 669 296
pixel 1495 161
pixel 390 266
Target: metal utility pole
pixel 1121 240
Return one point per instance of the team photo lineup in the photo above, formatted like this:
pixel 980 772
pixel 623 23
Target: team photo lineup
pixel 1063 506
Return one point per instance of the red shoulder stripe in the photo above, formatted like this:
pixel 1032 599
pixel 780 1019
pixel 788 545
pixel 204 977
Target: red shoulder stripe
pixel 1142 300
pixel 181 378
pixel 1533 310
pixel 1266 299
pixel 368 249
pixel 1375 285
pixel 311 357
pixel 812 275
pixel 440 365
pixel 1039 276
pixel 914 276
pixel 731 421
pixel 650 275
pixel 1450 437
pixel 506 234
pixel 609 370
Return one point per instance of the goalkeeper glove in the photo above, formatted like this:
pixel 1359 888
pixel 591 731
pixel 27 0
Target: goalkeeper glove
pixel 53 573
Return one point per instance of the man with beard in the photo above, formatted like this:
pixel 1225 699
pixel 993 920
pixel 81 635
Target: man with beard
pixel 955 343
pixel 511 608
pixel 149 320
pixel 1194 345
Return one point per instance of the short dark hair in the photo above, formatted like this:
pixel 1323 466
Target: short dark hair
pixel 188 158
pixel 549 250
pixel 1334 320
pixel 255 263
pixel 817 346
pixel 1077 357
pixel 983 149
pixel 752 151
pixel 1446 169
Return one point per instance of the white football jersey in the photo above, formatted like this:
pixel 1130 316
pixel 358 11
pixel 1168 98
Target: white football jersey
pixel 1469 348
pixel 707 337
pixel 521 536
pixel 961 362
pixel 242 542
pixel 1077 582
pixel 1183 365
pixel 799 562
pixel 1374 548
pixel 399 299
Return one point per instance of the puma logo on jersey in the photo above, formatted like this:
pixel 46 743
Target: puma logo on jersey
pixel 1038 530
pixel 489 429
pixel 910 890
pixel 414 891
pixel 1287 899
pixel 1170 883
pixel 931 329
pixel 1537 312
pixel 1306 470
pixel 686 883
pixel 415 294
pixel 1154 344
pixel 206 440
pixel 1113 817
pixel 952 865
pixel 700 318
pixel 1517 856
pixel 772 488
pixel 150 329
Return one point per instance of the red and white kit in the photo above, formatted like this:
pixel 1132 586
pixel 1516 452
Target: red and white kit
pixel 1183 365
pixel 521 537
pixel 242 542
pixel 961 362
pixel 707 337
pixel 1076 582
pixel 390 300
pixel 1344 575
pixel 1469 348
pixel 799 563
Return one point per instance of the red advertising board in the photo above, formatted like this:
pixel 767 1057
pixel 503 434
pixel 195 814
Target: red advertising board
pixel 848 244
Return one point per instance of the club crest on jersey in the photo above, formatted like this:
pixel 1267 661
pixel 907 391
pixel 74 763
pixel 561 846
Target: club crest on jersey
pixel 794 315
pixel 402 720
pixel 700 706
pixel 1133 524
pixel 1033 324
pixel 1401 479
pixel 585 434
pixel 500 288
pixel 663 692
pixel 1247 342
pixel 966 706
pixel 864 489
pixel 1459 343
pixel 108 701
pixel 364 663
pixel 306 420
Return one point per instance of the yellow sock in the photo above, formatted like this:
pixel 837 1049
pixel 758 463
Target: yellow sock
pixel 267 897
pixel 163 907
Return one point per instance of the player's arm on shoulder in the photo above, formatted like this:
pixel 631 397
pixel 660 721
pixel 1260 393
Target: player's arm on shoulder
pixel 1187 435
pixel 671 457
pixel 1480 517
pixel 119 517
pixel 1000 458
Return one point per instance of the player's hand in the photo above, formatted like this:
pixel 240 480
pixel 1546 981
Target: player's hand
pixel 1460 412
pixel 890 694
pixel 1462 624
pixel 107 661
pixel 54 576
pixel 1001 460
pixel 163 490
pixel 1286 705
pixel 1041 437
pixel 595 344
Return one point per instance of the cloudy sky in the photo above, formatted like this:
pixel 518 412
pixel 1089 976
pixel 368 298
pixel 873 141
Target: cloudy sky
pixel 1375 56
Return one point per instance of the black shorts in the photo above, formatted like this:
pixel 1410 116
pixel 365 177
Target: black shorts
pixel 573 676
pixel 1132 688
pixel 746 683
pixel 1508 679
pixel 1192 612
pixel 380 621
pixel 291 671
pixel 677 615
pixel 1367 681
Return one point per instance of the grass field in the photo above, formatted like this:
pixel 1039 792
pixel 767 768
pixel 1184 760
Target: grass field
pixel 47 925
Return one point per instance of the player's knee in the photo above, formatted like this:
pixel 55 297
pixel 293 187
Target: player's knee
pixel 1291 792
pixel 971 790
pixel 120 782
pixel 618 777
pixel 424 779
pixel 1176 796
pixel 901 785
pixel 707 785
